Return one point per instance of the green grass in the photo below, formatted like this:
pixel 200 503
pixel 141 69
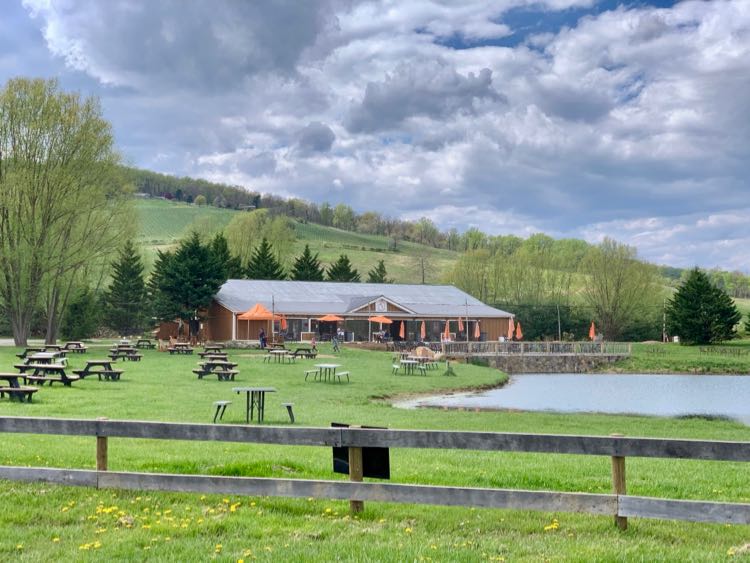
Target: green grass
pixel 61 523
pixel 675 358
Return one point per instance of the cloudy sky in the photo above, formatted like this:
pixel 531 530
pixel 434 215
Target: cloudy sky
pixel 578 118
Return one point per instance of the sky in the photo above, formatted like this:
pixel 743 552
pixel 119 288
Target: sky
pixel 576 118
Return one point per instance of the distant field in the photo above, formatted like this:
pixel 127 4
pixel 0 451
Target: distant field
pixel 163 223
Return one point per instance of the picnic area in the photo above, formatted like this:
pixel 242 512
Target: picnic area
pixel 163 387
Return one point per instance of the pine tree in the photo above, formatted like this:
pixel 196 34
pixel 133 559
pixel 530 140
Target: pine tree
pixel 231 264
pixel 82 316
pixel 307 267
pixel 125 300
pixel 264 265
pixel 378 274
pixel 700 313
pixel 342 270
pixel 186 281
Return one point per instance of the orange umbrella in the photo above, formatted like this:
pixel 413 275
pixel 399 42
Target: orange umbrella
pixel 447 331
pixel 511 328
pixel 402 330
pixel 477 334
pixel 257 313
pixel 519 333
pixel 283 322
pixel 423 331
pixel 460 325
pixel 592 331
pixel 380 319
pixel 330 318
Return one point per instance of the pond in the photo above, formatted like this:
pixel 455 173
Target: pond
pixel 642 394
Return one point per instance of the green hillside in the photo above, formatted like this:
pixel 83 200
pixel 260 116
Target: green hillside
pixel 162 223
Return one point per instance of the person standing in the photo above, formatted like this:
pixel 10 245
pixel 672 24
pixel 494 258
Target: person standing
pixel 262 338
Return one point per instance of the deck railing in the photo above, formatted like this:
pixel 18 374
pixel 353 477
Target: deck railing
pixel 617 504
pixel 537 348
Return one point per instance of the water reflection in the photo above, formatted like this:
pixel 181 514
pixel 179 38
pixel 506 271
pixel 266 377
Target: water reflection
pixel 645 394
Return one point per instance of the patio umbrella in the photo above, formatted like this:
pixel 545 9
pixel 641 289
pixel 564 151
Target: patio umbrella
pixel 477 333
pixel 460 325
pixel 283 322
pixel 402 330
pixel 592 331
pixel 423 331
pixel 519 332
pixel 380 319
pixel 447 331
pixel 256 313
pixel 329 318
pixel 511 329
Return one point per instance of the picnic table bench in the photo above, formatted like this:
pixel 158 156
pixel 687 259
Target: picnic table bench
pixel 180 349
pixel 75 347
pixel 208 348
pixel 126 353
pixel 223 370
pixel 305 353
pixel 213 355
pixel 14 389
pixel 30 350
pixel 106 371
pixel 47 373
pixel 145 343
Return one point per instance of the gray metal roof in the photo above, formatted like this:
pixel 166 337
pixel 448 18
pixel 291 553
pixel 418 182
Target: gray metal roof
pixel 294 298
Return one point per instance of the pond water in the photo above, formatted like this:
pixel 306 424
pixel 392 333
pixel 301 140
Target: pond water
pixel 643 394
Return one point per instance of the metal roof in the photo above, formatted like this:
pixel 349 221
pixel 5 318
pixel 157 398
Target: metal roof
pixel 296 298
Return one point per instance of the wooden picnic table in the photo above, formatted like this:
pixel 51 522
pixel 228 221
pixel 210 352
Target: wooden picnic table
pixel 213 348
pixel 145 343
pixel 45 358
pixel 256 397
pixel 106 371
pixel 14 389
pixel 223 369
pixel 126 353
pixel 180 348
pixel 47 373
pixel 213 355
pixel 75 346
pixel 30 350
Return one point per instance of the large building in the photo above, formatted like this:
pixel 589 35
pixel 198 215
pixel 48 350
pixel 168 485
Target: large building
pixel 301 304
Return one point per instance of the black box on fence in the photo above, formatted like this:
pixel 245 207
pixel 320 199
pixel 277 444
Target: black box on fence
pixel 375 461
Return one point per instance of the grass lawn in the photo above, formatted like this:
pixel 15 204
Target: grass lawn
pixel 674 358
pixel 42 521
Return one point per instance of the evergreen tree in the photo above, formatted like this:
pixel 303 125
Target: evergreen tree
pixel 125 300
pixel 264 265
pixel 307 267
pixel 186 281
pixel 160 303
pixel 81 318
pixel 378 274
pixel 342 270
pixel 700 313
pixel 231 264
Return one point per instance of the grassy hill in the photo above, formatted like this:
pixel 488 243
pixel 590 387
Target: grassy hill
pixel 163 223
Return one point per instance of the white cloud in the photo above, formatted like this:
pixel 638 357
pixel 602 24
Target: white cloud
pixel 631 122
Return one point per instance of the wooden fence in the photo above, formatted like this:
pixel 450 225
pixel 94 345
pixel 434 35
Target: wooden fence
pixel 618 504
pixel 537 348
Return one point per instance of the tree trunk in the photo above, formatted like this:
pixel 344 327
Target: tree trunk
pixel 52 323
pixel 20 326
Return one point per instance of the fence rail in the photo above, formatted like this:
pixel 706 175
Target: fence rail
pixel 618 504
pixel 537 348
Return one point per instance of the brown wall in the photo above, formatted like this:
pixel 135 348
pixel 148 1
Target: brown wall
pixel 494 328
pixel 248 330
pixel 218 324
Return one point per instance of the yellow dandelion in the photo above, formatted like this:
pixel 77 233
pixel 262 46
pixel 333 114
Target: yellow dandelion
pixel 218 548
pixel 19 546
pixel 407 530
pixel 55 540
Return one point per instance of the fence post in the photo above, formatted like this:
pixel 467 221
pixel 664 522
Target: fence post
pixel 356 471
pixel 618 484
pixel 101 451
